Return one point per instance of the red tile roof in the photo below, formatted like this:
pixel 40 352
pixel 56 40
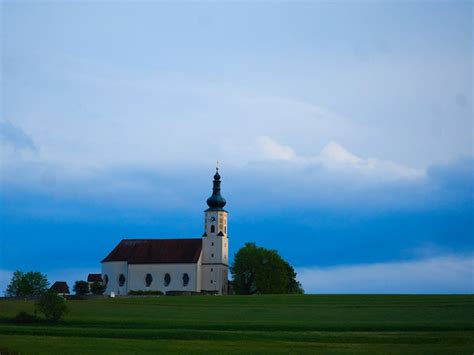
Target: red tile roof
pixel 157 251
pixel 94 278
pixel 60 287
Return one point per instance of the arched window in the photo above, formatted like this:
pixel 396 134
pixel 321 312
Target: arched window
pixel 148 280
pixel 167 279
pixel 106 279
pixel 121 280
pixel 185 279
pixel 213 229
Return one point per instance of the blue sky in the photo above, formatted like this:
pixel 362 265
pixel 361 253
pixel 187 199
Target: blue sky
pixel 344 132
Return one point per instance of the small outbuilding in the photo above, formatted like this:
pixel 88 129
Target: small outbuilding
pixel 91 278
pixel 61 288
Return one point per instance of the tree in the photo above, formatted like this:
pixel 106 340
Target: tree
pixel 97 288
pixel 259 270
pixel 52 306
pixel 27 284
pixel 81 288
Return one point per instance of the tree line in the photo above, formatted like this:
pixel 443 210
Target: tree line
pixel 49 303
pixel 255 270
pixel 34 284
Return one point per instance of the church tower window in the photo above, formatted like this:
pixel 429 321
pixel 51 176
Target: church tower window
pixel 213 229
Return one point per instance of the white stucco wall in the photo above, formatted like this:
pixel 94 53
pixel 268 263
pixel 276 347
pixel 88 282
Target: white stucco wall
pixel 113 269
pixel 214 278
pixel 199 274
pixel 214 263
pixel 215 256
pixel 137 274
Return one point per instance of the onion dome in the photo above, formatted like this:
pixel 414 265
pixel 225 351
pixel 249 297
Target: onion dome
pixel 216 201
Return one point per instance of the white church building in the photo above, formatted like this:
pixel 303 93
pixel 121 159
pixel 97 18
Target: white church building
pixel 198 264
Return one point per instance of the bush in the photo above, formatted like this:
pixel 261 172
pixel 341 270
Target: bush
pixel 25 318
pixel 81 288
pixel 144 293
pixel 52 306
pixel 97 288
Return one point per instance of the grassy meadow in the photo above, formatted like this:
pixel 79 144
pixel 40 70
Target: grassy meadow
pixel 326 324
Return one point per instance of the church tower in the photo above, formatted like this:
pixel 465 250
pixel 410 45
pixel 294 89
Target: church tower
pixel 215 245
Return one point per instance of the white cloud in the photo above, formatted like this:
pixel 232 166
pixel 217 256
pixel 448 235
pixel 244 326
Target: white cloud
pixel 273 151
pixel 335 153
pixel 443 274
pixel 335 158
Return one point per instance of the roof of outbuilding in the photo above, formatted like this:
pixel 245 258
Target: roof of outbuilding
pixel 156 251
pixel 60 287
pixel 94 278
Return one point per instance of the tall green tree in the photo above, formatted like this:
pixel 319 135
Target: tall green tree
pixel 259 270
pixel 22 284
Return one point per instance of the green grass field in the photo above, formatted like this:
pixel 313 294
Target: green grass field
pixel 326 324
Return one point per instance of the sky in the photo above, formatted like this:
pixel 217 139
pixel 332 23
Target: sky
pixel 343 130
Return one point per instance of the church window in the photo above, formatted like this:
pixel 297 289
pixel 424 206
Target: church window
pixel 212 255
pixel 212 243
pixel 212 281
pixel 106 279
pixel 121 280
pixel 213 229
pixel 185 279
pixel 148 280
pixel 212 269
pixel 167 279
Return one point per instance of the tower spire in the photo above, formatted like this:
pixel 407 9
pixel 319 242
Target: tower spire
pixel 216 201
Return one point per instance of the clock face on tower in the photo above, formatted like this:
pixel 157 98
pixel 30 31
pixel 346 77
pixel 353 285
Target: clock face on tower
pixel 212 219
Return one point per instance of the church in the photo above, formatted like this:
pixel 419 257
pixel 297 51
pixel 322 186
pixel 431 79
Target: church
pixel 193 265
